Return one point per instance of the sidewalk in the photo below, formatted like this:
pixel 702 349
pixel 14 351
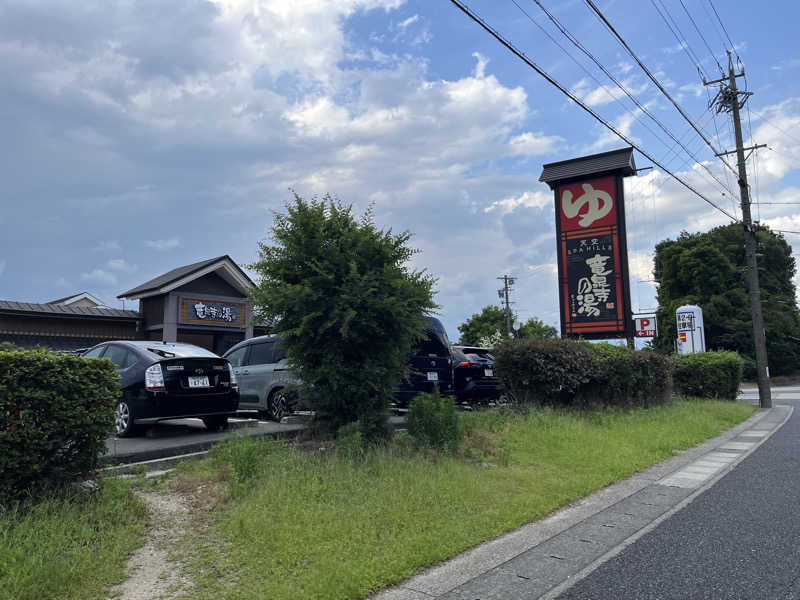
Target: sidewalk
pixel 542 559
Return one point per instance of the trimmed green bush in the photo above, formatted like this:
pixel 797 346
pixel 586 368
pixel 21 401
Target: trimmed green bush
pixel 709 374
pixel 565 372
pixel 432 421
pixel 628 378
pixel 545 371
pixel 56 412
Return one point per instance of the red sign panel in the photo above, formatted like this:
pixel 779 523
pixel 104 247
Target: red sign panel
pixel 592 258
pixel 587 204
pixel 645 327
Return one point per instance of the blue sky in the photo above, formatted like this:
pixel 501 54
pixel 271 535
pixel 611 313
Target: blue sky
pixel 144 135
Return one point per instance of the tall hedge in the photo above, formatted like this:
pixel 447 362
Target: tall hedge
pixel 709 374
pixel 567 372
pixel 545 371
pixel 628 378
pixel 56 412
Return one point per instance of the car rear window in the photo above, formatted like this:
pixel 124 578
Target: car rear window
pixel 179 351
pixel 120 356
pixel 431 344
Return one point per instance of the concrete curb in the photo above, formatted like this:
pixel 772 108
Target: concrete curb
pixel 544 558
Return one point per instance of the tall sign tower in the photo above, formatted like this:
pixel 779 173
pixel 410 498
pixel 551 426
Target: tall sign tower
pixel 594 290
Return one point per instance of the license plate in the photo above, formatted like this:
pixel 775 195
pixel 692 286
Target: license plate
pixel 198 381
pixel 488 373
pixel 433 376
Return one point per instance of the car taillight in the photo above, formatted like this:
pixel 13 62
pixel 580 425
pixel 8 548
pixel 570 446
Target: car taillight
pixel 234 382
pixel 466 363
pixel 154 378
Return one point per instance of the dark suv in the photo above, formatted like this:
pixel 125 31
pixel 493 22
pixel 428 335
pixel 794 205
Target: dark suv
pixel 430 364
pixel 474 379
pixel 163 380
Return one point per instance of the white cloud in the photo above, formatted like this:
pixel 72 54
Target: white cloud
pixel 480 67
pixel 99 276
pixel 107 246
pixel 120 265
pixel 539 199
pixel 533 144
pixel 607 93
pixel 409 21
pixel 168 244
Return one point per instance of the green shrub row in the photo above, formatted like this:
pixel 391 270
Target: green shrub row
pixel 56 412
pixel 564 372
pixel 709 374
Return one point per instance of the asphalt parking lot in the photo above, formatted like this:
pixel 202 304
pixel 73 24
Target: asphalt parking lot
pixel 185 436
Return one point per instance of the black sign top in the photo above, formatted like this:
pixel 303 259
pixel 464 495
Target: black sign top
pixel 614 162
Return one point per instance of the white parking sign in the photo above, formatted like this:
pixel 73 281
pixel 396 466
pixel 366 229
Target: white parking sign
pixel 645 327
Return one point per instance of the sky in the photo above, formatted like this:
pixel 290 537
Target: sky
pixel 142 135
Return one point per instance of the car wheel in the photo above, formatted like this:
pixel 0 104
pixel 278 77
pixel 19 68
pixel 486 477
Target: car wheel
pixel 215 423
pixel 124 424
pixel 501 400
pixel 277 405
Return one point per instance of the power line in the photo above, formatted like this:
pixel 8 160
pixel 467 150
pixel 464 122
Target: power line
pixel 654 80
pixel 733 48
pixel 700 33
pixel 716 26
pixel 521 55
pixel 683 43
pixel 575 42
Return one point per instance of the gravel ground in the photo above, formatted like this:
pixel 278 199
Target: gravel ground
pixel 153 574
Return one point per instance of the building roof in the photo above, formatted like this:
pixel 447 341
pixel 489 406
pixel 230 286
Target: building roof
pixel 79 296
pixel 605 162
pixel 63 310
pixel 223 265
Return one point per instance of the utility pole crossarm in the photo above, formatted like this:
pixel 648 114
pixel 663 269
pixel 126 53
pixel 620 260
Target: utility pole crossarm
pixel 751 148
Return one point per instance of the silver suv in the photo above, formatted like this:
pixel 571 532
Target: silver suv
pixel 260 365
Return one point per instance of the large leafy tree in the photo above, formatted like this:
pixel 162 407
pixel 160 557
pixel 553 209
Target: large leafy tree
pixel 708 269
pixel 492 319
pixel 341 294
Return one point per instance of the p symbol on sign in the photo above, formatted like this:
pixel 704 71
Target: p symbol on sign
pixel 645 323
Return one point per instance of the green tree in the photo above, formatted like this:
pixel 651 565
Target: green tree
pixel 708 269
pixel 342 295
pixel 534 327
pixel 492 319
pixel 483 324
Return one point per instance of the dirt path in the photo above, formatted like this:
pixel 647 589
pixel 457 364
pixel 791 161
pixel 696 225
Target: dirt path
pixel 152 573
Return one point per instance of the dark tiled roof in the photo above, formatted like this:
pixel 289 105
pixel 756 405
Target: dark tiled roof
pixel 57 310
pixel 615 160
pixel 171 276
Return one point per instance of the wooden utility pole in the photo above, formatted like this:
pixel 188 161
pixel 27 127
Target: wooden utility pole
pixel 728 100
pixel 503 293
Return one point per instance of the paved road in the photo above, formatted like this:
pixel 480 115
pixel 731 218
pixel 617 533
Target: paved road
pixel 716 521
pixel 739 539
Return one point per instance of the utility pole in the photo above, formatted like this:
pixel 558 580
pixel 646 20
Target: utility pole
pixel 727 99
pixel 503 293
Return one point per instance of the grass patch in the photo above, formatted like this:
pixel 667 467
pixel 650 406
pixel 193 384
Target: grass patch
pixel 323 524
pixel 69 546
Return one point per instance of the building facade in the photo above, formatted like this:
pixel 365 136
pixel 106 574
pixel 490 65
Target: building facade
pixel 204 303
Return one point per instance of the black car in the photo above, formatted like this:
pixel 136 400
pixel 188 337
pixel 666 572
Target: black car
pixel 430 364
pixel 163 380
pixel 473 375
